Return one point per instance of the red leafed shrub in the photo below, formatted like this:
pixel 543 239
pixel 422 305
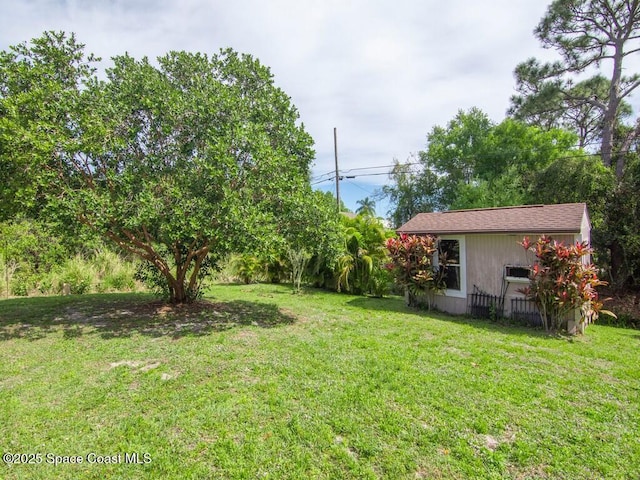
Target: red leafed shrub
pixel 412 263
pixel 561 281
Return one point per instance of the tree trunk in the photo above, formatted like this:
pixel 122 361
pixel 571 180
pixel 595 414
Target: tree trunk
pixel 606 145
pixel 611 111
pixel 618 275
pixel 608 127
pixel 181 290
pixel 620 165
pixel 177 292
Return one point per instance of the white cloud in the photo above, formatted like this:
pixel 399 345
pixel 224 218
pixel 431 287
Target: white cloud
pixel 384 73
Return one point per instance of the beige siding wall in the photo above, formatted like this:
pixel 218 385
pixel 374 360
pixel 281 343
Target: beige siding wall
pixel 585 235
pixel 486 257
pixel 454 305
pixel 585 230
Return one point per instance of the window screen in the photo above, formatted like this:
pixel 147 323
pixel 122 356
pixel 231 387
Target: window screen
pixel 449 257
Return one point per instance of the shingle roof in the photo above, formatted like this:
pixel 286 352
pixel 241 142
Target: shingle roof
pixel 563 218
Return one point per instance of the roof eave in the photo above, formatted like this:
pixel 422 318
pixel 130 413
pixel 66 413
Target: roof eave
pixel 490 232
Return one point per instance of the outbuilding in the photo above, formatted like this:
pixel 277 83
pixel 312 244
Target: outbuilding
pixel 486 265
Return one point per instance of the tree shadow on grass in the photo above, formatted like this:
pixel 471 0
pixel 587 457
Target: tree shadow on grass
pixel 117 317
pixel 503 326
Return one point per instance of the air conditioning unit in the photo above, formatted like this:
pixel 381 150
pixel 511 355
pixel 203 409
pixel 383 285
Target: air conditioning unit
pixel 517 273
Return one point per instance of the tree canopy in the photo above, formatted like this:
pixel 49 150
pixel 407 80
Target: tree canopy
pixel 412 190
pixel 453 151
pixel 473 163
pixel 40 85
pixel 177 162
pixel 587 34
pixel 367 207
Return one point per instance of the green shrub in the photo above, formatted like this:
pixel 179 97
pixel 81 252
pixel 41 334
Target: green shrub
pixel 380 282
pixel 119 281
pixel 34 259
pixel 114 273
pixel 358 268
pixel 20 285
pixel 246 267
pixel 152 279
pixel 561 282
pixel 623 320
pixel 45 285
pixel 78 273
pixel 412 266
pixel 276 268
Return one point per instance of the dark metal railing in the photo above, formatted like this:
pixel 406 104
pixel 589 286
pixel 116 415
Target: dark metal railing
pixel 484 305
pixel 525 311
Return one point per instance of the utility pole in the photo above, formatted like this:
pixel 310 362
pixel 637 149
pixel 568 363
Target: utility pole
pixel 335 149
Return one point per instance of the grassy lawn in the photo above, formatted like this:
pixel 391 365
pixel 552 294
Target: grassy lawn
pixel 261 383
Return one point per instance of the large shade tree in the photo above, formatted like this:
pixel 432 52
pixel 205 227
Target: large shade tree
pixel 547 106
pixel 177 161
pixel 594 38
pixel 452 151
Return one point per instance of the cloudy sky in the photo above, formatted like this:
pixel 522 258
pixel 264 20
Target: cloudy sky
pixel 382 72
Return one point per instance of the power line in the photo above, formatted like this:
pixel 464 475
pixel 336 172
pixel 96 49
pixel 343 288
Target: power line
pixel 361 188
pixel 322 181
pixel 331 176
pixel 368 174
pixel 513 152
pixel 470 157
pixel 376 167
pixel 318 177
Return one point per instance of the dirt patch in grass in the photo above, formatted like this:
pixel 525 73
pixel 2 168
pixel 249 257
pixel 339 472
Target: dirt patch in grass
pixel 113 317
pixel 143 311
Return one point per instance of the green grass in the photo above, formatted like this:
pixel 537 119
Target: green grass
pixel 265 384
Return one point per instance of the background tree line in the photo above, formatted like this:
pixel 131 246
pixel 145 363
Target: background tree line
pixel 570 136
pixel 192 158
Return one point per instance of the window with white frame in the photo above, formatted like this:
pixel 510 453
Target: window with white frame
pixel 451 257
